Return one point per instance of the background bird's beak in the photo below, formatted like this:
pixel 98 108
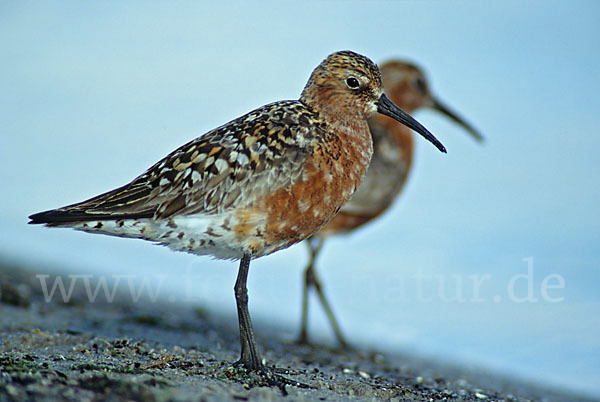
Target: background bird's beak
pixel 387 107
pixel 443 109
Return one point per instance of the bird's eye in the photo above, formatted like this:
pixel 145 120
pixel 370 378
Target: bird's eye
pixel 352 83
pixel 421 84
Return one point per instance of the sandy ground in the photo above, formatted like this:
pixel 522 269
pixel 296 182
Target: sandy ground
pixel 82 351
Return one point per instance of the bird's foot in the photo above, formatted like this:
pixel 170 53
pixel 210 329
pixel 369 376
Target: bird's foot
pixel 302 339
pixel 340 347
pixel 261 375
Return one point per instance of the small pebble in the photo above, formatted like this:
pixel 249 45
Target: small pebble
pixel 11 390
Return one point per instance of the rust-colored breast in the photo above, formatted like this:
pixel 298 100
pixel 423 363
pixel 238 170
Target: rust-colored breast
pixel 392 158
pixel 293 213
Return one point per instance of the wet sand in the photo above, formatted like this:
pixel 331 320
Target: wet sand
pixel 160 351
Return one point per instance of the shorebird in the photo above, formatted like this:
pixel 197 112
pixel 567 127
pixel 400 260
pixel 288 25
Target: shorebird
pixel 255 185
pixel 393 147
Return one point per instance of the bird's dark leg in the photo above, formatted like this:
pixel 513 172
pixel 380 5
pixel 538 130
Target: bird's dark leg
pixel 312 280
pixel 250 357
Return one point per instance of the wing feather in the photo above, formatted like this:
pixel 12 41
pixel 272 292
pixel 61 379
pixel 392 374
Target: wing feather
pixel 230 166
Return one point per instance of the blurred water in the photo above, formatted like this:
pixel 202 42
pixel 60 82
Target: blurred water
pixel 93 96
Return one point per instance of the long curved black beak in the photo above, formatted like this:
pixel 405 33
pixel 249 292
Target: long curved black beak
pixel 387 107
pixel 443 109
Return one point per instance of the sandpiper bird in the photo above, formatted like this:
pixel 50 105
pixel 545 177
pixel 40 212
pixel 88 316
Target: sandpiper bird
pixel 258 184
pixel 393 148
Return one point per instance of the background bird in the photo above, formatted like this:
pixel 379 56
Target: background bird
pixel 393 147
pixel 258 184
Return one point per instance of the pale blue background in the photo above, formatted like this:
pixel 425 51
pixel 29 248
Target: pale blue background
pixel 92 93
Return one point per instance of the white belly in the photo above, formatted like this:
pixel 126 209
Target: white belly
pixel 197 234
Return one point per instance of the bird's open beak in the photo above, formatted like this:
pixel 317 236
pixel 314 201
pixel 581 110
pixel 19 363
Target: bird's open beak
pixel 443 109
pixel 387 107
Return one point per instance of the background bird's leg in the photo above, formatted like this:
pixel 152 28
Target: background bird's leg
pixel 312 280
pixel 250 358
pixel 314 246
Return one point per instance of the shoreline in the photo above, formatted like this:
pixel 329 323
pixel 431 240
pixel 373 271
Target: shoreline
pixel 167 351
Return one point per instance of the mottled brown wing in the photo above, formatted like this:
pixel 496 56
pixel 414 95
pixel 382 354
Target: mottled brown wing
pixel 230 166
